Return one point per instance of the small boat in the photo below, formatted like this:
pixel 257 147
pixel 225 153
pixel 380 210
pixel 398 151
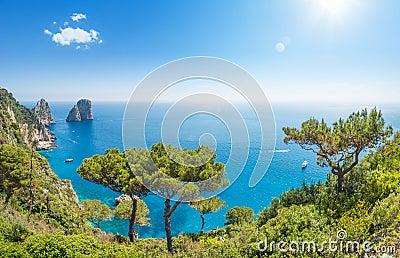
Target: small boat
pixel 68 160
pixel 304 165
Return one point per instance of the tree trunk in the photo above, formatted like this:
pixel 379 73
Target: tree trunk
pixel 132 219
pixel 167 221
pixel 202 224
pixel 30 187
pixel 96 223
pixel 339 183
pixel 8 197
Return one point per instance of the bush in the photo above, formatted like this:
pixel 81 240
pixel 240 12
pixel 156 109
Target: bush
pixel 268 212
pixel 386 212
pixel 239 216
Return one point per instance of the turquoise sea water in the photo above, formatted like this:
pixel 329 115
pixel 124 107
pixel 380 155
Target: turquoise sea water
pixel 84 139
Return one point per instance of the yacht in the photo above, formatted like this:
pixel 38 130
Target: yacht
pixel 305 163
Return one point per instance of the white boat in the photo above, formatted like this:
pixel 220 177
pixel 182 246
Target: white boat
pixel 68 160
pixel 305 163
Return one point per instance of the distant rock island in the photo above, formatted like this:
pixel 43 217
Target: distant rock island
pixel 46 138
pixel 42 112
pixel 81 111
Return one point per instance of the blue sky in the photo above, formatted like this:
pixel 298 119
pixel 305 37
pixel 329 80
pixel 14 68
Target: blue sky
pixel 314 50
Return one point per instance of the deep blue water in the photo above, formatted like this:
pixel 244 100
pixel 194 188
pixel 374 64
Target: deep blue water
pixel 84 139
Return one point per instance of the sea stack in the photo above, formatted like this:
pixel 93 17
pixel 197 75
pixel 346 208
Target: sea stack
pixel 42 113
pixel 43 116
pixel 81 111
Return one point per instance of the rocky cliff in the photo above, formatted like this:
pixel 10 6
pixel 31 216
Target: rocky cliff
pixel 18 125
pixel 74 115
pixel 81 111
pixel 85 108
pixel 51 203
pixel 42 112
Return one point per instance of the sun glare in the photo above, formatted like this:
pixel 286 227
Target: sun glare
pixel 334 9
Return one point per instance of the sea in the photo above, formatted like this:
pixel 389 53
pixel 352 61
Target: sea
pixel 84 139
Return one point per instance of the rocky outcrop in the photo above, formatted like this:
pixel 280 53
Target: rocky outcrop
pixel 81 111
pixel 45 138
pixel 74 115
pixel 42 112
pixel 85 108
pixel 122 198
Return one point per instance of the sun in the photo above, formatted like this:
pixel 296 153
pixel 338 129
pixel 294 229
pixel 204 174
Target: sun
pixel 334 10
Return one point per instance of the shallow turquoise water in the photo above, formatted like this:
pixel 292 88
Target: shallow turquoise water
pixel 84 139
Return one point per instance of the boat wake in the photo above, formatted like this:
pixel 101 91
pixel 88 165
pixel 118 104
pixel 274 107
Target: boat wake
pixel 280 151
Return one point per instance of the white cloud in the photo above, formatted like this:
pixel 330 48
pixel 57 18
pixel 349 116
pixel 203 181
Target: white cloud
pixel 78 16
pixel 47 32
pixel 94 34
pixel 69 35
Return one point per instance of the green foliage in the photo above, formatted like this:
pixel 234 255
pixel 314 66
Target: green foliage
pixel 301 195
pixel 14 169
pixel 239 216
pixel 57 245
pixel 95 211
pixel 386 212
pixel 183 175
pixel 12 116
pixel 268 212
pixel 105 169
pixel 356 222
pixel 339 146
pixel 206 206
pixel 38 190
pixel 124 209
pixel 13 230
pixel 209 205
pixel 113 171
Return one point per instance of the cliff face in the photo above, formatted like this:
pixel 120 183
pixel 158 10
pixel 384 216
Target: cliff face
pixel 54 200
pixel 81 111
pixel 85 108
pixel 19 126
pixel 74 115
pixel 44 136
pixel 42 112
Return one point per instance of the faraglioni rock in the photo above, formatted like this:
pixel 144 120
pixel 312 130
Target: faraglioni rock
pixel 81 111
pixel 85 109
pixel 74 115
pixel 42 112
